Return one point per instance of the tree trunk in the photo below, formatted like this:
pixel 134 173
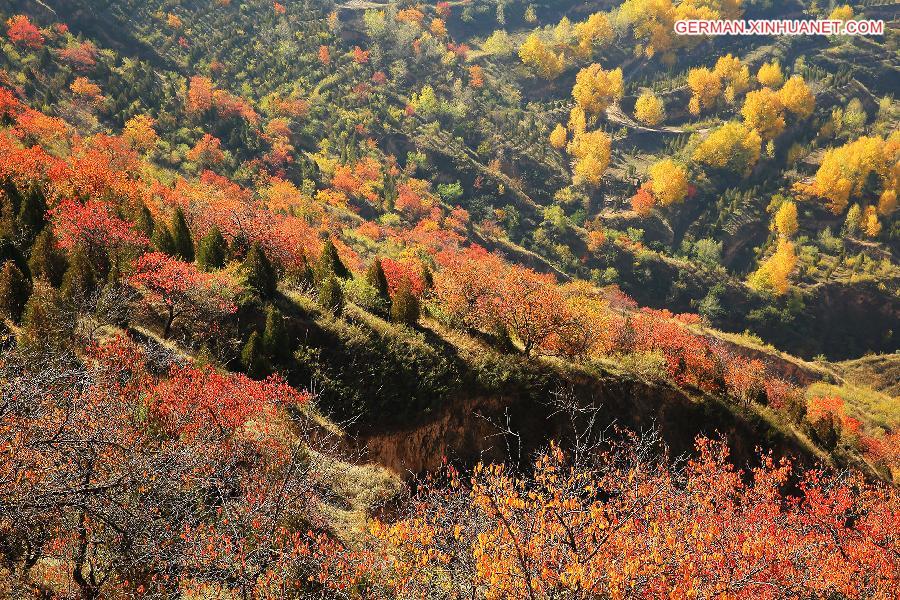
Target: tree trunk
pixel 168 328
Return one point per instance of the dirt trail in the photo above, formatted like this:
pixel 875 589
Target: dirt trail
pixel 615 114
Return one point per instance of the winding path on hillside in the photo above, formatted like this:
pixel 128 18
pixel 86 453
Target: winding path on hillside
pixel 615 114
pixel 375 5
pixel 360 5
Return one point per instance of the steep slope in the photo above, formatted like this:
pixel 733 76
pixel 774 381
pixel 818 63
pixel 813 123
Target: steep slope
pixel 493 141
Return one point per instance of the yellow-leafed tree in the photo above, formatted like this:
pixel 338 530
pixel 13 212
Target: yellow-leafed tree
pixel 590 152
pixel 595 88
pixel 669 182
pixel 139 130
pixel 841 13
pixel 732 146
pixel 649 109
pixel 735 75
pixel 538 56
pixel 785 221
pixel 887 202
pixel 870 224
pixel 577 120
pixel 845 171
pixel 705 89
pixel 770 74
pixel 773 275
pixel 797 98
pixel 764 112
pixel 558 137
pixel 593 32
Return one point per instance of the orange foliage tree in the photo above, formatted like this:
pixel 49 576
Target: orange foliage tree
pixel 84 89
pixel 360 180
pixel 621 523
pixel 476 76
pixel 477 290
pixel 207 151
pixel 203 96
pixel 643 200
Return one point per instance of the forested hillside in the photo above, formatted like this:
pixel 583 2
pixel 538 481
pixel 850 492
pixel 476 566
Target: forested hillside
pixel 466 299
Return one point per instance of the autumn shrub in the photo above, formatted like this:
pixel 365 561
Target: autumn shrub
pixel 211 455
pixel 690 360
pixel 22 32
pixel 361 293
pixel 826 417
pixel 179 292
pixel 744 379
pixel 786 398
pixel 622 521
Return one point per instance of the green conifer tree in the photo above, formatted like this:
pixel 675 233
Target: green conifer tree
pixel 114 275
pixel 10 251
pixel 212 252
pixel 181 237
pixel 252 358
pixel 405 306
pixel 10 201
pixel 14 291
pixel 389 185
pixel 47 262
pixel 259 272
pixel 376 278
pixel 162 239
pixel 306 275
pixel 30 219
pixel 331 295
pixel 144 223
pixel 46 324
pixel 275 338
pixel 80 279
pixel 329 264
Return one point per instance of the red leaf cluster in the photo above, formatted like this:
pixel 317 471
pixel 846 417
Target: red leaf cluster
pixel 22 32
pixel 92 224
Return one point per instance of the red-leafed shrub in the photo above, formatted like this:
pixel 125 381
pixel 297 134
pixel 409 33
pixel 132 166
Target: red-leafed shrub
pixel 179 290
